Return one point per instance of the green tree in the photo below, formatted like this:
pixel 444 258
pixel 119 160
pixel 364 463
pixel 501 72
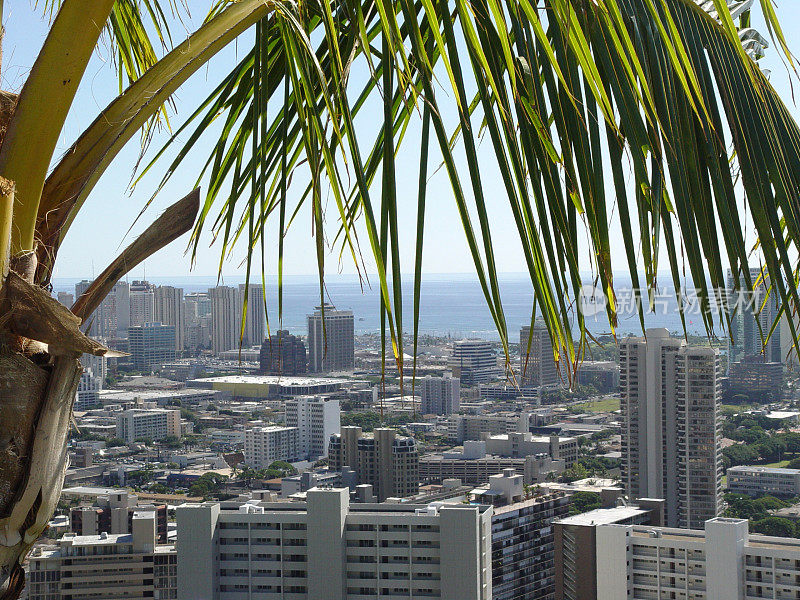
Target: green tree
pixel 563 90
pixel 584 502
pixel 775 526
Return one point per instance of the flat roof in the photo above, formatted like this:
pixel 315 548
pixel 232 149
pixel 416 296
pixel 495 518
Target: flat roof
pixel 604 516
pixel 271 380
pixel 760 469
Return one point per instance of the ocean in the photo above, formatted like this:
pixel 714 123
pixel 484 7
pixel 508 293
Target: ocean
pixel 451 304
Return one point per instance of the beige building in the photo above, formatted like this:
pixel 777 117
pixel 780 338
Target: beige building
pixel 148 424
pixel 169 309
pixel 722 561
pixel 461 428
pixel 105 566
pixel 390 464
pixel 326 548
pixel 671 430
pixel 331 340
pixel 264 445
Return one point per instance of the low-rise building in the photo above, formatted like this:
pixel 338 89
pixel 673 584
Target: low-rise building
pixel 328 548
pixel 461 428
pixel 760 481
pixel 105 566
pixel 526 444
pixel 476 467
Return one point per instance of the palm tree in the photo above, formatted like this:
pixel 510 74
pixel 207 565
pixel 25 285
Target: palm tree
pixel 565 93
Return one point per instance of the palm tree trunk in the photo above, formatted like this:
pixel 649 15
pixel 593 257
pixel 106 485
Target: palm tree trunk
pixel 37 390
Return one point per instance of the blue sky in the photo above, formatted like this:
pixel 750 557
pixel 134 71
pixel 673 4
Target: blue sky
pixel 102 227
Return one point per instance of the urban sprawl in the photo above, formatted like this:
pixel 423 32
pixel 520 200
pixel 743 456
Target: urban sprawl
pixel 220 461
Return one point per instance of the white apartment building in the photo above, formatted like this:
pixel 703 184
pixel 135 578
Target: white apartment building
pixel 331 340
pixel 721 562
pixel 169 309
pixel 758 481
pixel 474 362
pixel 88 394
pixel 526 444
pixel 326 548
pixel 316 419
pixel 148 424
pixel 537 359
pixel 440 395
pixel 226 317
pixel 142 303
pixel 461 428
pixel 264 445
pixel 105 566
pixel 671 429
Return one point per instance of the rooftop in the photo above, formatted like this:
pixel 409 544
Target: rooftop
pixel 604 516
pixel 271 380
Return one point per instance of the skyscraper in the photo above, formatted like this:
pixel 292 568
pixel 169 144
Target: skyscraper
pixel 169 309
pixel 671 432
pixel 331 346
pixel 537 361
pixel 283 354
pixel 440 395
pixel 112 318
pixel 224 321
pixel 753 318
pixel 316 419
pixel 66 299
pixel 473 362
pixel 142 303
pixel 255 316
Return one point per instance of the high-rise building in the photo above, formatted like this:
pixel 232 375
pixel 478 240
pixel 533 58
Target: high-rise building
pixel 88 394
pixel 148 424
pixel 142 303
pixel 316 418
pixel 66 299
pixel 671 429
pixel 522 537
pixel 440 395
pixel 264 445
pixel 225 322
pixel 537 360
pixel 752 319
pixel 112 318
pixel 474 362
pixel 151 345
pixel 90 567
pixel 283 354
pixel 390 464
pixel 719 561
pixel 326 548
pixel 255 315
pixel 169 309
pixel 331 345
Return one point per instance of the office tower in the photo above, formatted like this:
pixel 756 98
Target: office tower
pixel 142 303
pixel 316 419
pixel 753 377
pixel 225 320
pixel 152 424
pixel 328 549
pixel 331 347
pixel 113 513
pixel 474 362
pixel 522 537
pixel 66 299
pixel 720 561
pixel 390 464
pixel 283 354
pixel 671 430
pixel 752 320
pixel 151 345
pixel 537 360
pixel 255 315
pixel 578 556
pixel 169 309
pixel 440 395
pixel 87 567
pixel 264 445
